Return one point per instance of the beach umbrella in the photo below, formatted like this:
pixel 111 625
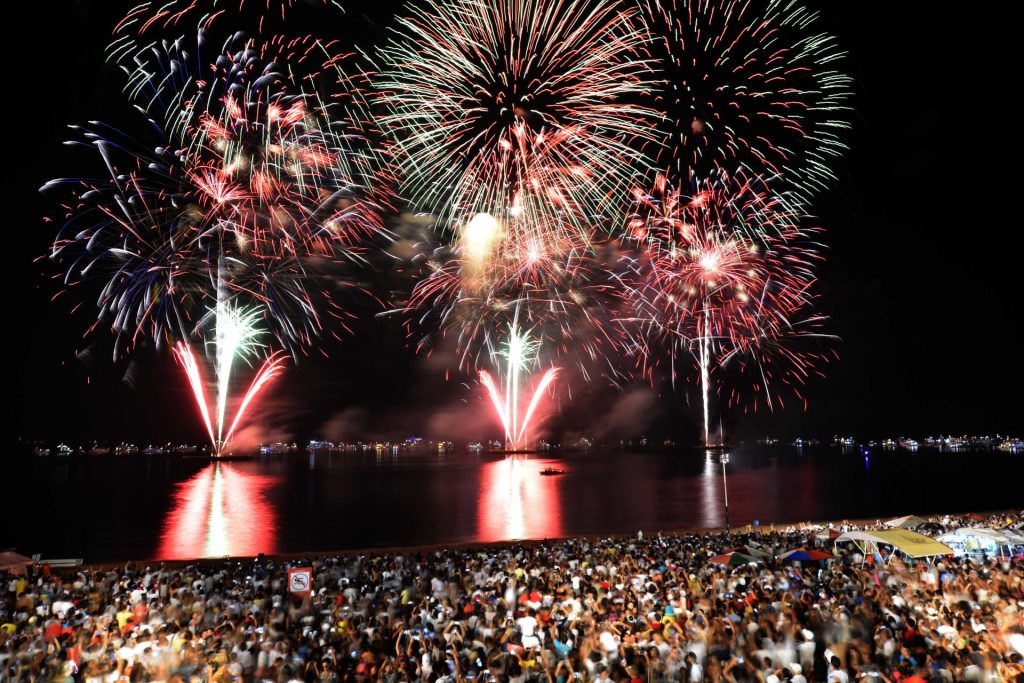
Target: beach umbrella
pixel 733 559
pixel 748 550
pixel 804 555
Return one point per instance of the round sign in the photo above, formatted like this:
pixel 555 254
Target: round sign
pixel 299 582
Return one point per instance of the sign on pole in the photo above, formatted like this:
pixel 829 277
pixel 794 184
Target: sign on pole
pixel 300 581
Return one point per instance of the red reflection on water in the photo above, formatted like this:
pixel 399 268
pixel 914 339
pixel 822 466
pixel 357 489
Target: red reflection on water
pixel 516 501
pixel 220 511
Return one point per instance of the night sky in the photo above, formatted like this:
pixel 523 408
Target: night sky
pixel 922 278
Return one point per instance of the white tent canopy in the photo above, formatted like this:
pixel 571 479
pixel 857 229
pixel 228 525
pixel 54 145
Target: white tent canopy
pixel 906 522
pixel 910 543
pixel 982 538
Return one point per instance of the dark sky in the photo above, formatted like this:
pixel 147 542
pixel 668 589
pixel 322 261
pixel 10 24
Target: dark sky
pixel 922 280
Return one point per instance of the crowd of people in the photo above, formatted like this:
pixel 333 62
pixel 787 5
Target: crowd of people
pixel 650 609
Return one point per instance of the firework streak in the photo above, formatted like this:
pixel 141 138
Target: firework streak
pixel 749 85
pixel 160 17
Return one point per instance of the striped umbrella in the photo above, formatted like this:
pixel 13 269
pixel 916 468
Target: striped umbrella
pixel 804 555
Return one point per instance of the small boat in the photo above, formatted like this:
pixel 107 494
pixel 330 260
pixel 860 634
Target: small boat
pixel 550 471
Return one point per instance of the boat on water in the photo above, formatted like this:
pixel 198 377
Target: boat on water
pixel 550 471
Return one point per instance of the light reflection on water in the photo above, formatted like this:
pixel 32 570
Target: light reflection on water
pixel 220 511
pixel 711 511
pixel 516 501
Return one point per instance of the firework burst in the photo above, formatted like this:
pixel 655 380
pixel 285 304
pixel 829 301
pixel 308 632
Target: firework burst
pixel 753 85
pixel 253 196
pixel 723 277
pixel 467 84
pixel 252 184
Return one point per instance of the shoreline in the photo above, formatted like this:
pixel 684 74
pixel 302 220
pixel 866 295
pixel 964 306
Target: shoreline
pixel 762 529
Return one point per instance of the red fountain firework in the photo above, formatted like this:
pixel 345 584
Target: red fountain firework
pixel 270 369
pixel 750 85
pixel 235 337
pixel 725 275
pixel 519 354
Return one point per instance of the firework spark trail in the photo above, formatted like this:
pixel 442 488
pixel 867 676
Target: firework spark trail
pixel 755 85
pixel 723 275
pixel 235 337
pixel 183 354
pixel 704 359
pixel 546 379
pixel 785 352
pixel 158 17
pixel 271 368
pixel 468 87
pixel 500 406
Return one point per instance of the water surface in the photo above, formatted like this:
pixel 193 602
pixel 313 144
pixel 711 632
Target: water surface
pixel 132 507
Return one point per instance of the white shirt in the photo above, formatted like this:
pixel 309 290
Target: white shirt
pixel 528 625
pixel 835 676
pixel 61 607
